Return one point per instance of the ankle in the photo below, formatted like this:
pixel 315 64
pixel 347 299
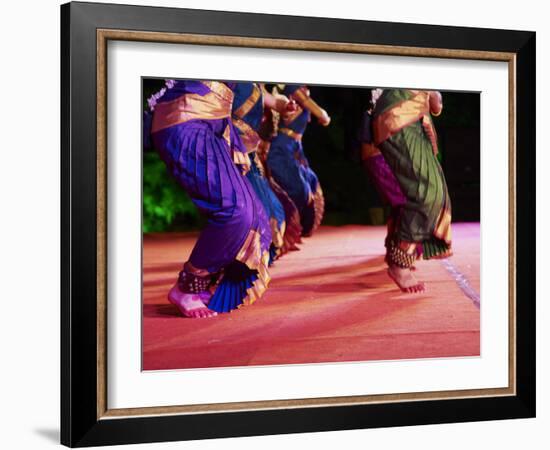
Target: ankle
pixel 190 268
pixel 196 282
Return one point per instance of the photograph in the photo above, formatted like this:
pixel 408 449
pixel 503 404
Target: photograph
pixel 288 223
pixel 292 224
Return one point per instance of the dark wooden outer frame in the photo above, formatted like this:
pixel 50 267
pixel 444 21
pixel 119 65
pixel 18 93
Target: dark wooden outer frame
pixel 85 29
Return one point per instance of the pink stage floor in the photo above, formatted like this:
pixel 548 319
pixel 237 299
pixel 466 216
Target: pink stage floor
pixel 330 302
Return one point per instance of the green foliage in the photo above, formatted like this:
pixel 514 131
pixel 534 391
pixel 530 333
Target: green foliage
pixel 166 206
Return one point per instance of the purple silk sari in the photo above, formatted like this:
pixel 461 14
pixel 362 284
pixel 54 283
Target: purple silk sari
pixel 205 155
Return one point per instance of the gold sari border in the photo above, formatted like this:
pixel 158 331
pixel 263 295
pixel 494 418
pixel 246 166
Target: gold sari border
pixel 249 103
pixel 399 116
pixel 220 89
pixel 318 207
pixel 291 134
pixel 189 107
pixel 249 136
pixel 252 256
pixel 429 129
pixel 243 160
pixel 277 232
pixel 442 229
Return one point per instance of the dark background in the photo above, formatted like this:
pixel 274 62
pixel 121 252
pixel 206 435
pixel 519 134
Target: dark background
pixel 334 154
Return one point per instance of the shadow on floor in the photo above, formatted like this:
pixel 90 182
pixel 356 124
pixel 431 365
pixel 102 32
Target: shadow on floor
pixel 50 434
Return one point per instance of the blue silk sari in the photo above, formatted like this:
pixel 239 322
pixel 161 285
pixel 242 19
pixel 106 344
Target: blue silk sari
pixel 247 113
pixel 290 167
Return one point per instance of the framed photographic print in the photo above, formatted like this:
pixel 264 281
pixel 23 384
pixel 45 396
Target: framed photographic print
pixel 278 224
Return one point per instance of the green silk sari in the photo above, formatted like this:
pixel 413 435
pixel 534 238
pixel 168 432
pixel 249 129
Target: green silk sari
pixel 404 133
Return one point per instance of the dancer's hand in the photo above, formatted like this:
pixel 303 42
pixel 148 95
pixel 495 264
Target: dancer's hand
pixel 286 106
pixel 436 103
pixel 290 107
pixel 280 103
pixel 323 118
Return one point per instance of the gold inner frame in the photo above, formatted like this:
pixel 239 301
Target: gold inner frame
pixel 103 36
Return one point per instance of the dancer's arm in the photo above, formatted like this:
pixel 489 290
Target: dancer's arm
pixel 303 98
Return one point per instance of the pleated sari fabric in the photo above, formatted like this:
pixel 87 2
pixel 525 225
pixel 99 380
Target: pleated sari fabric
pixel 293 226
pixel 194 135
pixel 247 113
pixel 403 133
pixel 290 167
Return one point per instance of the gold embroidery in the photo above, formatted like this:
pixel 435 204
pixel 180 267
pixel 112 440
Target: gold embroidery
pixel 251 255
pixel 277 232
pixel 191 106
pixel 220 89
pixel 429 129
pixel 443 228
pixel 227 135
pixel 249 103
pixel 263 150
pixel 260 285
pixel 243 160
pixel 290 133
pixel 318 207
pixel 249 136
pixel 399 116
pixel 260 165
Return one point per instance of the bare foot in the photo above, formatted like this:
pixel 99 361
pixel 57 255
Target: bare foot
pixel 405 280
pixel 205 297
pixel 412 268
pixel 190 305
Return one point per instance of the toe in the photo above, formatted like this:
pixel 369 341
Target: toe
pixel 210 313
